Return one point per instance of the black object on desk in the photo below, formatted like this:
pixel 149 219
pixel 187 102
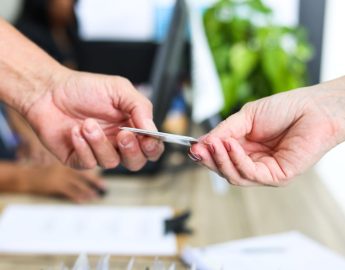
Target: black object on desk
pixel 177 224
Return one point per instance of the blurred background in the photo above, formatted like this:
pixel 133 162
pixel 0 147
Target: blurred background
pixel 198 62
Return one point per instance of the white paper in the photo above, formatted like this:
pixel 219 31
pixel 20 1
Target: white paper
pixel 44 229
pixel 284 251
pixel 207 91
pixel 130 20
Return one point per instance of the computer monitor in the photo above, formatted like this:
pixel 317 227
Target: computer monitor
pixel 167 68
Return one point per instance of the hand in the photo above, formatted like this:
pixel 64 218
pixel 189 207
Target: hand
pixel 30 147
pixel 78 117
pixel 31 150
pixel 276 138
pixel 57 180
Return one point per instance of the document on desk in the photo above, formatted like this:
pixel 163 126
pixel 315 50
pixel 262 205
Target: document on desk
pixel 45 229
pixel 286 251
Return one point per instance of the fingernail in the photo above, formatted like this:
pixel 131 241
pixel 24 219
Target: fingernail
pixel 150 147
pixel 194 157
pixel 227 146
pixel 126 143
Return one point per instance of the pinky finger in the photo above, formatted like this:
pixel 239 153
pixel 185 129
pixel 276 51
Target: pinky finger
pixel 83 156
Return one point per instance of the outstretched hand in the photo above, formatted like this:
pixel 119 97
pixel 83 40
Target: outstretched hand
pixel 276 138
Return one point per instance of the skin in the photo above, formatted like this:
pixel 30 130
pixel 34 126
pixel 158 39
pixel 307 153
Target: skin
pixel 75 115
pixel 272 140
pixel 61 12
pixel 52 180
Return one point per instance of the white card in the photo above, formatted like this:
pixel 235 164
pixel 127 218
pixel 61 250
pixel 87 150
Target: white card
pixel 165 137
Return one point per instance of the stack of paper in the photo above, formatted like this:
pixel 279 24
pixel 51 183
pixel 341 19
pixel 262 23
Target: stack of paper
pixel 287 251
pixel 86 229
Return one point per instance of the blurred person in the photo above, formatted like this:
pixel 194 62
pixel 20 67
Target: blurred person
pixel 52 25
pixel 20 175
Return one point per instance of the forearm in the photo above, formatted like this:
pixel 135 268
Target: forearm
pixel 26 71
pixel 11 178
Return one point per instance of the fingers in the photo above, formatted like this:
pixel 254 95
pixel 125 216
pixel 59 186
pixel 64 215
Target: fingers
pixel 131 155
pixel 78 192
pixel 230 160
pixel 151 147
pixel 103 150
pixel 261 168
pixel 81 187
pixel 200 154
pixel 132 102
pixel 92 179
pixel 92 147
pixel 140 110
pixel 83 157
pixel 217 159
pixel 228 167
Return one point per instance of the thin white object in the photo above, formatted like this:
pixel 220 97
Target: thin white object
pixel 208 97
pixel 284 251
pixel 165 137
pixel 131 264
pixel 103 263
pixel 82 263
pixel 96 230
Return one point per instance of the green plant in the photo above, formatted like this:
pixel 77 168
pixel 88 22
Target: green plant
pixel 254 58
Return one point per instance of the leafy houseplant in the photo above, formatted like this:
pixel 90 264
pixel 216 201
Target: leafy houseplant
pixel 254 58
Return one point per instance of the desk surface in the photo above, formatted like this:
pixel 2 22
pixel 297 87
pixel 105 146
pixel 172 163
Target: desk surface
pixel 305 206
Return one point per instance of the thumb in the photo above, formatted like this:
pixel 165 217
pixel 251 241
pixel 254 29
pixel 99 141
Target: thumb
pixel 136 105
pixel 236 126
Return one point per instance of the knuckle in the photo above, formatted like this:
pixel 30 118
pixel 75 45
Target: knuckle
pixel 220 164
pixel 122 81
pixel 247 106
pixel 148 104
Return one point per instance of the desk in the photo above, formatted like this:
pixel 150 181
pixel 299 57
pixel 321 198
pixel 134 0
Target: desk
pixel 305 205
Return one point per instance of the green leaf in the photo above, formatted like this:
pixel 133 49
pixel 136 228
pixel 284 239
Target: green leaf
pixel 242 60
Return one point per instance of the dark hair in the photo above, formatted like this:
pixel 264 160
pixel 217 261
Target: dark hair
pixel 35 10
pixel 34 22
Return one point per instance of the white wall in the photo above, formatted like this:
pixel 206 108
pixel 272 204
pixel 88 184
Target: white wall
pixel 332 167
pixel 9 9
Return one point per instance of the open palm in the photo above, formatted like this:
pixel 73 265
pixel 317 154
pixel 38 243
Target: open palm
pixel 269 141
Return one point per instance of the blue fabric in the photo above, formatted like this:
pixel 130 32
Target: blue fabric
pixel 5 152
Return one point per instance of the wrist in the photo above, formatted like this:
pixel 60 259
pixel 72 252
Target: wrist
pixel 39 84
pixel 27 72
pixel 332 99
